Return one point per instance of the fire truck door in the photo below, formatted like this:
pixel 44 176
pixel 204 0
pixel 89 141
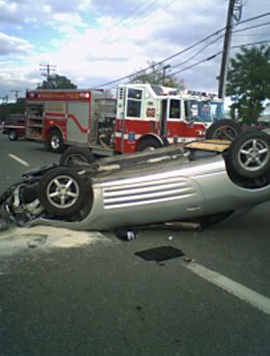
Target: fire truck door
pixel 77 123
pixel 163 117
pixel 174 131
pixel 120 122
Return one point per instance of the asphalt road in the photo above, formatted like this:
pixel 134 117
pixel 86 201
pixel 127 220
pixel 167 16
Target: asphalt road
pixel 98 297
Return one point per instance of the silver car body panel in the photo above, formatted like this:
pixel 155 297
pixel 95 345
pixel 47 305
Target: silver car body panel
pixel 151 193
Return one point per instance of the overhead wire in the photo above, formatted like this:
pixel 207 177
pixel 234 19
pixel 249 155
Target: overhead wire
pixel 167 5
pixel 164 60
pixel 217 39
pixel 251 27
pixel 181 52
pixel 217 54
pixel 122 19
pixel 147 8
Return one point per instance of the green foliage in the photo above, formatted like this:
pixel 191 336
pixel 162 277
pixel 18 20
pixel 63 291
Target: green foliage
pixel 248 82
pixel 156 76
pixel 12 108
pixel 57 82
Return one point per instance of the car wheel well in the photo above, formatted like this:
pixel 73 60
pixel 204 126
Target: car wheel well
pixel 75 156
pixel 223 129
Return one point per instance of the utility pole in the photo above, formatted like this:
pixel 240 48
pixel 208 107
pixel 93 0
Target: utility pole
pixel 5 99
pixel 16 93
pixel 164 73
pixel 46 69
pixel 234 12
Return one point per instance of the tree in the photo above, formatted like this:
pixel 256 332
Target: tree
pixel 157 75
pixel 248 82
pixel 12 108
pixel 57 82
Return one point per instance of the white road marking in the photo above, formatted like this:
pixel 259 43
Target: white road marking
pixel 21 161
pixel 248 295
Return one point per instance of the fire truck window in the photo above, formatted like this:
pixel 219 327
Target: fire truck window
pixel 134 103
pixel 135 94
pixel 175 109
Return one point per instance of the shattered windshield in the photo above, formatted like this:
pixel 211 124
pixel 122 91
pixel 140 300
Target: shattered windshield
pixel 205 111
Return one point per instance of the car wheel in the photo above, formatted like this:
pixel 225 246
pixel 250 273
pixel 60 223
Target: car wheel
pixel 149 144
pixel 224 129
pixel 12 135
pixel 249 154
pixel 75 156
pixel 55 142
pixel 62 192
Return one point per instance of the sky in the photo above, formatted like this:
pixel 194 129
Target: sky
pixel 94 42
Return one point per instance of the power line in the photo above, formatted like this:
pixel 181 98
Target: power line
pixel 121 20
pixel 251 27
pixel 167 5
pixel 180 52
pixel 251 44
pixel 217 54
pixel 197 53
pixel 253 18
pixel 147 8
pixel 164 60
pixel 212 42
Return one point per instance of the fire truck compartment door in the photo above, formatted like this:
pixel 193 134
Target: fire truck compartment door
pixel 77 122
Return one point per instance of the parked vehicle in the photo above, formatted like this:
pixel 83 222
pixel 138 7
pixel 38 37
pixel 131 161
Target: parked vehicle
pixel 173 183
pixel 14 126
pixel 139 117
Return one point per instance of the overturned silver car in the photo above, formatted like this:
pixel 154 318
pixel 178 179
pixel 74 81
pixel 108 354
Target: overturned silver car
pixel 203 182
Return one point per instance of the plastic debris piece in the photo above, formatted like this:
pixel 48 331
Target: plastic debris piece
pixel 126 234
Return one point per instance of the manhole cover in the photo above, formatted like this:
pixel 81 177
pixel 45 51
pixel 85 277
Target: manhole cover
pixel 159 254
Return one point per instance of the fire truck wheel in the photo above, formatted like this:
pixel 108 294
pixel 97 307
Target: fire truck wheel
pixel 249 154
pixel 148 144
pixel 62 192
pixel 75 156
pixel 224 129
pixel 12 135
pixel 55 142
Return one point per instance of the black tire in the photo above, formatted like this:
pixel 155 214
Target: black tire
pixel 62 192
pixel 148 144
pixel 74 156
pixel 224 129
pixel 12 135
pixel 249 154
pixel 55 142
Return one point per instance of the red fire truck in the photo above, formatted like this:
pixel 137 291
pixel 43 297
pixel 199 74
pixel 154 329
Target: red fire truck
pixel 68 117
pixel 139 116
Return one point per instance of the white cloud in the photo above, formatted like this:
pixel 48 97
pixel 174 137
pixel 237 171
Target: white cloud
pixel 67 23
pixel 10 45
pixel 94 41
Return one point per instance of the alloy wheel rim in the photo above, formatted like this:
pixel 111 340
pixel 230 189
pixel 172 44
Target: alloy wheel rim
pixel 55 142
pixel 63 192
pixel 253 155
